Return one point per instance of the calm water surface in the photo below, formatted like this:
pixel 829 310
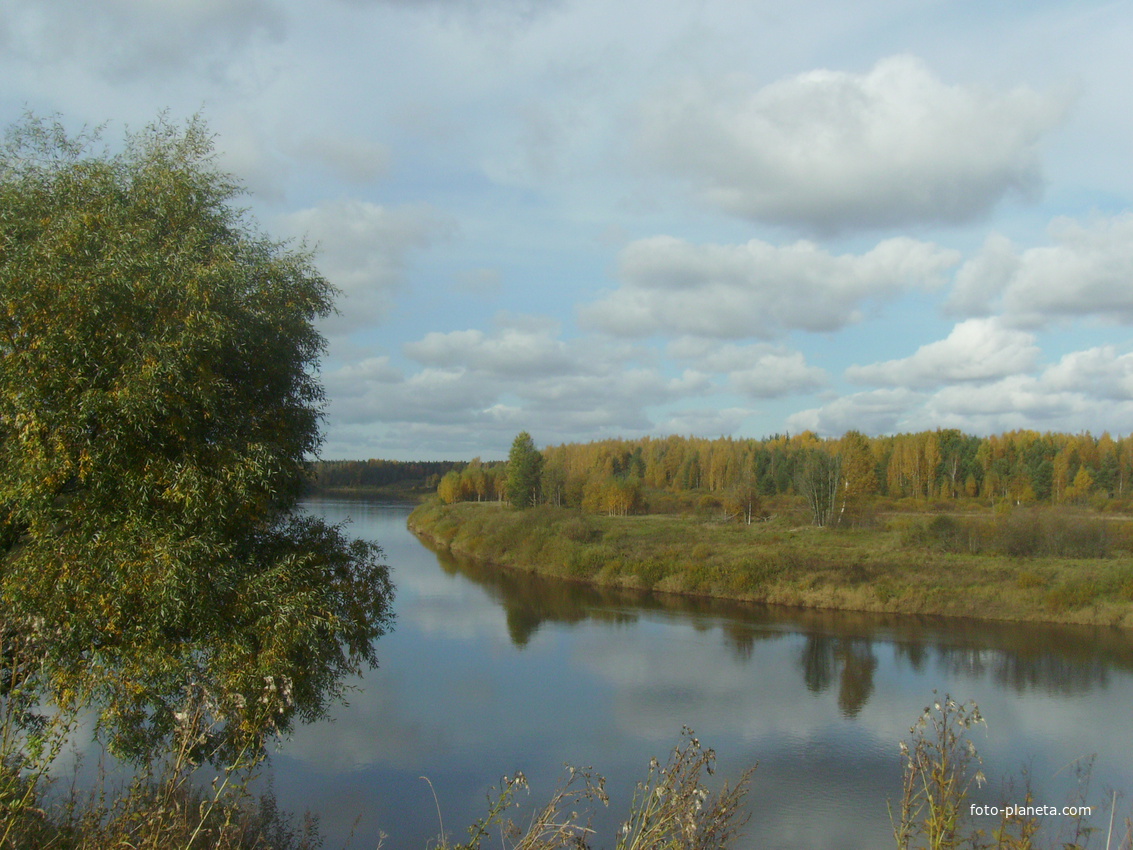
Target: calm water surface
pixel 487 674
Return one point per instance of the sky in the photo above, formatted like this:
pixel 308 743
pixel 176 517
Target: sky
pixel 587 219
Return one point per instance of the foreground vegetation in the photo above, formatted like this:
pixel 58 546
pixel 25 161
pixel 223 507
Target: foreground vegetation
pixel 1046 565
pixel 158 400
pixel 677 806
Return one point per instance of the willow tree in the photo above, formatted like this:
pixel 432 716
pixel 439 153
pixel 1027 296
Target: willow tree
pixel 158 399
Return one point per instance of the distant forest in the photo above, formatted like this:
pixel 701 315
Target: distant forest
pixel 629 476
pixel 363 474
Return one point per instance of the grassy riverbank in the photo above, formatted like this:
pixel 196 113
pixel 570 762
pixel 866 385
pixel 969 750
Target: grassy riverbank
pixel 399 491
pixel 1033 566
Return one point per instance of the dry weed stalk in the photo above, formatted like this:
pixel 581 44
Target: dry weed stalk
pixel 671 809
pixel 933 813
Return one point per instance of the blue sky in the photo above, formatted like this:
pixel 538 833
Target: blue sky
pixel 589 219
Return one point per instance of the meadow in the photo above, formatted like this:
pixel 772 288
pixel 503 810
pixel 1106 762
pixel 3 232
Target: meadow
pixel 1042 564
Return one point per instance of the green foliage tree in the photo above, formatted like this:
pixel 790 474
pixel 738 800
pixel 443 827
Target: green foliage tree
pixel 524 468
pixel 157 404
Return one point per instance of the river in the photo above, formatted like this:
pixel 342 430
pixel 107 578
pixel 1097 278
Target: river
pixel 487 673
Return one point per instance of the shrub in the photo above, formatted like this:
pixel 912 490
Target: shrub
pixel 1072 595
pixel 581 529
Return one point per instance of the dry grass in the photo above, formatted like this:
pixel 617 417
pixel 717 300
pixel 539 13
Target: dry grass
pixel 672 808
pixel 941 763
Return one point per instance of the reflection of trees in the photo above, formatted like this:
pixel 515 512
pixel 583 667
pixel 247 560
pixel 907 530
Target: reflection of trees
pixel 821 656
pixel 818 663
pixel 1037 668
pixel 742 634
pixel 914 654
pixel 856 686
pixel 530 600
pixel 1022 657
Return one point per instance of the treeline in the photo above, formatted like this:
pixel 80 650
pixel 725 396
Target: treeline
pixel 626 476
pixel 476 481
pixel 359 474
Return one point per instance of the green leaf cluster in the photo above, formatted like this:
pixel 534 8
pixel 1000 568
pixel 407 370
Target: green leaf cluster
pixel 158 401
pixel 524 471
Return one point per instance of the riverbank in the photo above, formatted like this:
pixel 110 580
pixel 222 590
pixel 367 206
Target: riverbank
pixel 901 567
pixel 414 492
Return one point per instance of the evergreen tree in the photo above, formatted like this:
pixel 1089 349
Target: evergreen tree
pixel 524 470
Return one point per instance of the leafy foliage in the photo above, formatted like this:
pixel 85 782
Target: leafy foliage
pixel 671 474
pixel 524 468
pixel 157 404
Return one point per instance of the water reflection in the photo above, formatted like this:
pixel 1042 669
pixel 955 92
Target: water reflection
pixel 489 672
pixel 838 645
pixel 851 660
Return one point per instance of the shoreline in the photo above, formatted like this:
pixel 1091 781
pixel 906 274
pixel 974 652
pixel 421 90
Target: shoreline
pixel 802 568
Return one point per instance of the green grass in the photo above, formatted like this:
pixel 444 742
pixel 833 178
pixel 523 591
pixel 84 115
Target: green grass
pixel 1026 565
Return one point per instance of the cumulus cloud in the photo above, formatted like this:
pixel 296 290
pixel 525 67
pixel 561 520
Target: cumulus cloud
pixel 475 385
pixel 776 374
pixel 363 249
pixel 832 150
pixel 1083 389
pixel 1086 270
pixel 705 422
pixel 756 371
pixel 975 350
pixel 757 289
pixel 872 412
pixel 1101 373
pixel 513 351
pixel 1017 401
pixel 124 39
pixel 980 282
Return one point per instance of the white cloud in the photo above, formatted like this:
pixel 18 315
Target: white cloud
pixel 705 423
pixel 484 387
pixel 370 370
pixel 362 248
pixel 975 350
pixel 756 371
pixel 513 351
pixel 1100 372
pixel 1088 271
pixel 1085 390
pixel 1017 401
pixel 833 150
pixel 777 374
pixel 757 289
pixel 872 412
pixel 981 281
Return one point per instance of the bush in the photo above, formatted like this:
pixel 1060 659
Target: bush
pixel 1027 533
pixel 581 529
pixel 1072 595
